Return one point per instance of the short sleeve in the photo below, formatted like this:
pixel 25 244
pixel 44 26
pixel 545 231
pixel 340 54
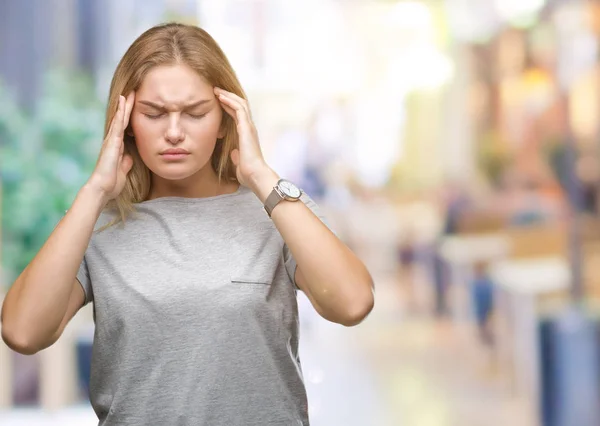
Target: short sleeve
pixel 290 262
pixel 83 276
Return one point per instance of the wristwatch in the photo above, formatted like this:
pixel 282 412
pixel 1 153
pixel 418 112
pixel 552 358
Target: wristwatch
pixel 284 190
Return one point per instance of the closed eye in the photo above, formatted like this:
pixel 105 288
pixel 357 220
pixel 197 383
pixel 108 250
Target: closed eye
pixel 157 116
pixel 196 116
pixel 154 116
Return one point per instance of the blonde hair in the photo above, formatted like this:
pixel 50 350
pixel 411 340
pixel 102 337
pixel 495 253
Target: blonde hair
pixel 170 44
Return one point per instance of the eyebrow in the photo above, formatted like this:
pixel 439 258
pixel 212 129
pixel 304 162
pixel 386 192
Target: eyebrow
pixel 187 106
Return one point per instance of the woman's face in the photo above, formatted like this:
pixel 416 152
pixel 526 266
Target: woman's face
pixel 176 121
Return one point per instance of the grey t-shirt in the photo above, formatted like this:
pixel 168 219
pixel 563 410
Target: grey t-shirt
pixel 196 316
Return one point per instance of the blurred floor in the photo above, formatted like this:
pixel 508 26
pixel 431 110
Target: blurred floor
pixel 434 373
pixel 403 370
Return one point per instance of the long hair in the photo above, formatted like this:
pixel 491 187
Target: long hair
pixel 171 44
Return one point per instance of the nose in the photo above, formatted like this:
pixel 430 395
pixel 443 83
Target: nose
pixel 175 133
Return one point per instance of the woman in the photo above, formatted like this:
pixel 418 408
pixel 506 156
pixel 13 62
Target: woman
pixel 193 282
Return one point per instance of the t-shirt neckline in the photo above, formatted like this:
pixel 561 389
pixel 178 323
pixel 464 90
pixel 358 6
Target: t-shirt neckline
pixel 191 200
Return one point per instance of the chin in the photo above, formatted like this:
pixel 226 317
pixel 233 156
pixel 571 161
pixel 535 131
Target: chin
pixel 175 172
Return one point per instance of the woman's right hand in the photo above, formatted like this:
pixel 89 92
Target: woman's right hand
pixel 113 164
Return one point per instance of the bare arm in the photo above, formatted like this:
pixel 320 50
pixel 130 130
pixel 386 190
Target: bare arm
pixel 333 278
pixel 37 302
pixel 47 294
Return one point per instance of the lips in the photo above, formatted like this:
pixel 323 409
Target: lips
pixel 175 151
pixel 174 154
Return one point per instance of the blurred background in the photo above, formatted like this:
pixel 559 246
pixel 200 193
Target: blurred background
pixel 454 146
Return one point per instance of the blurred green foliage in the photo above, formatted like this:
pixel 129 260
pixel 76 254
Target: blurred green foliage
pixel 45 157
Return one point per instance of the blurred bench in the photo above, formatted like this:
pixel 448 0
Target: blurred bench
pixel 480 222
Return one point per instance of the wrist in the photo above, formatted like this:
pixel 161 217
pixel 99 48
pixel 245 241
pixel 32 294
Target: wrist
pixel 93 196
pixel 262 182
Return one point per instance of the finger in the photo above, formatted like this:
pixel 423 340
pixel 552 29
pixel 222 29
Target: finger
pixel 110 135
pixel 243 102
pixel 235 157
pixel 231 112
pixel 117 130
pixel 231 95
pixel 114 141
pixel 111 128
pixel 128 108
pixel 238 113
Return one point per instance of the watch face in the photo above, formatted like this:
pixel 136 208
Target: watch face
pixel 289 189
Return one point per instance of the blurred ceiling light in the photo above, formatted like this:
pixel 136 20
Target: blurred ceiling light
pixel 410 15
pixel 420 67
pixel 519 12
pixel 378 137
pixel 472 20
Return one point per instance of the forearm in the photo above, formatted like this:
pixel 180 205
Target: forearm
pixel 37 301
pixel 332 276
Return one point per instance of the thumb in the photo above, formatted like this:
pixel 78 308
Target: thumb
pixel 126 164
pixel 235 157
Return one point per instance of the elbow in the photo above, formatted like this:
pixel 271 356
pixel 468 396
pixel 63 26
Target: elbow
pixel 18 341
pixel 358 310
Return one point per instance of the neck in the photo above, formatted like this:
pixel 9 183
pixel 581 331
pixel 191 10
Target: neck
pixel 203 184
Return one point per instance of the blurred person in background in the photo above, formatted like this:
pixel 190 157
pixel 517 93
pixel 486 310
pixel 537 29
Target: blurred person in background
pixel 406 253
pixel 193 284
pixel 482 298
pixel 455 203
pixel 588 172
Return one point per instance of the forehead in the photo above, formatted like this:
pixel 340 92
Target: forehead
pixel 174 84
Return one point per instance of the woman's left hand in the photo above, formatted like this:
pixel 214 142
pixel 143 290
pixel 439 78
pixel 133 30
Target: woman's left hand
pixel 248 159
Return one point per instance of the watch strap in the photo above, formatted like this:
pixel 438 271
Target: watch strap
pixel 274 198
